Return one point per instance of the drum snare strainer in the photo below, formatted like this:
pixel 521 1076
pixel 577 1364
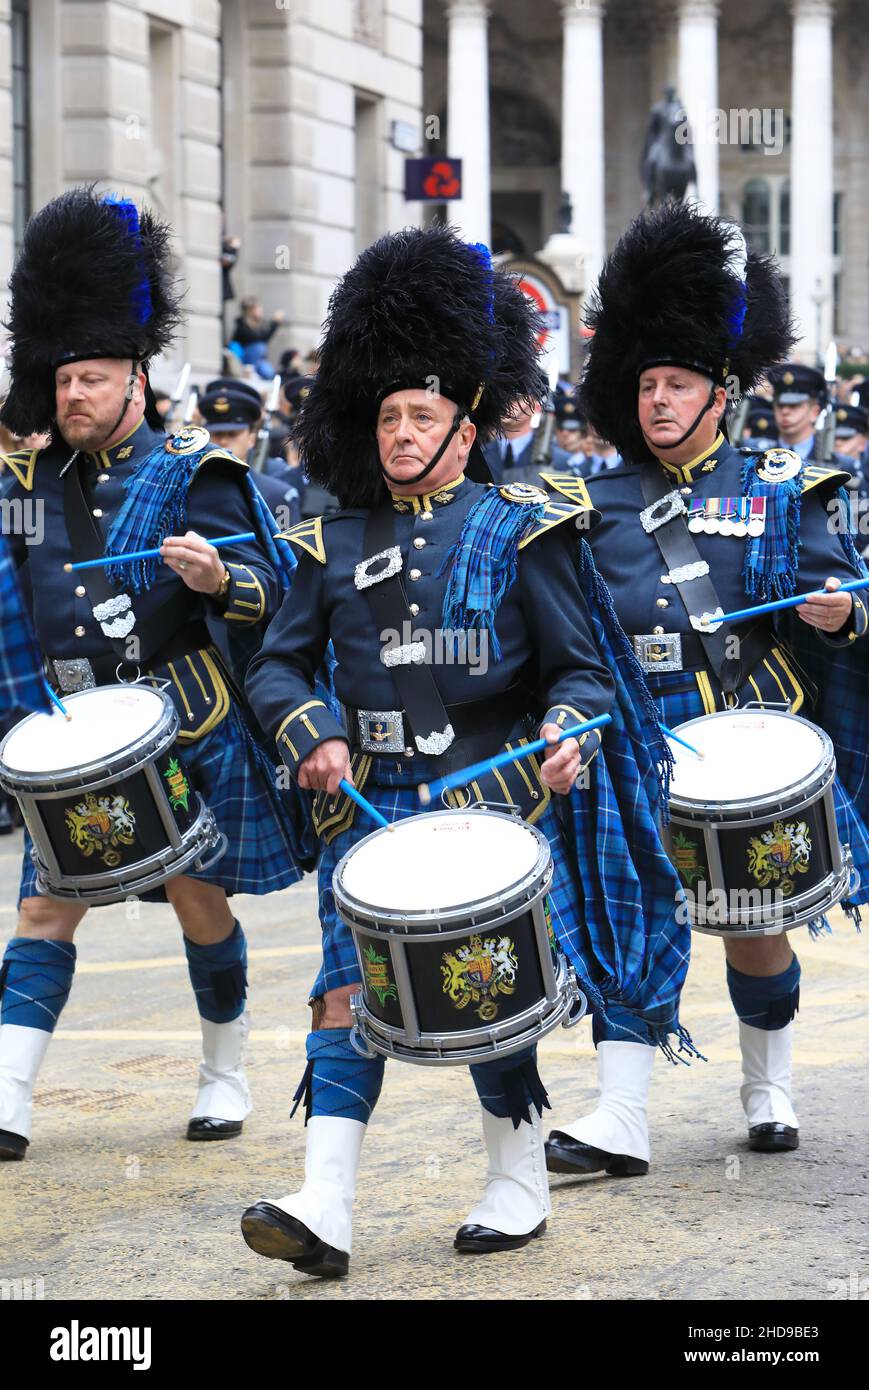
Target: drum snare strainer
pixel 105 796
pixel 451 925
pixel 752 829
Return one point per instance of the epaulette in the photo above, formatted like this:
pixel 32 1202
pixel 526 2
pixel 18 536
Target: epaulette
pixel 22 464
pixel 815 473
pixel 584 518
pixel 571 487
pixel 308 536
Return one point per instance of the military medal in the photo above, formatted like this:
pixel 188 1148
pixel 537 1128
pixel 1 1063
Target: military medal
pixel 696 515
pixel 740 525
pixel 711 524
pixel 757 516
pixel 727 525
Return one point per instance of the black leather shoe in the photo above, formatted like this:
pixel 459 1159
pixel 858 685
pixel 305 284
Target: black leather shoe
pixel 481 1240
pixel 773 1138
pixel 12 1146
pixel 566 1155
pixel 205 1127
pixel 271 1232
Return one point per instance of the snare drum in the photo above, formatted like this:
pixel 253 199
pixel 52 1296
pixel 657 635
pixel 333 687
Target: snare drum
pixel 105 796
pixel 752 829
pixel 456 951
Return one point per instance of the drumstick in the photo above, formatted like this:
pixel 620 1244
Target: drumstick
pixel 677 739
pixel 369 810
pixel 513 755
pixel 56 701
pixel 153 554
pixel 709 622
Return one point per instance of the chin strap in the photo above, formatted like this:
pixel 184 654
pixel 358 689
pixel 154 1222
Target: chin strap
pixel 433 462
pixel 666 448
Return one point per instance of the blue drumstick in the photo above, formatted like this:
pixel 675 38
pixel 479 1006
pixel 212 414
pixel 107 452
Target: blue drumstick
pixel 56 701
pixel 369 810
pixel 152 554
pixel 677 739
pixel 793 602
pixel 513 755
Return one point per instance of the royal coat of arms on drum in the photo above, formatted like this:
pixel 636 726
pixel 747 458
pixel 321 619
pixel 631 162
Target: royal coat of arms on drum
pixel 479 972
pixel 98 825
pixel 779 854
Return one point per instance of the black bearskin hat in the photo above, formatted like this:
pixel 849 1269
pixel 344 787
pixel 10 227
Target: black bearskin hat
pixel 420 308
pixel 680 287
pixel 92 280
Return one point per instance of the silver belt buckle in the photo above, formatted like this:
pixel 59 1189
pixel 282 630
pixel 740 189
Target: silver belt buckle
pixel 659 651
pixel 659 513
pixel 72 675
pixel 381 730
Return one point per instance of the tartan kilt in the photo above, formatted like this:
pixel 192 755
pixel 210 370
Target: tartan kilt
pixel 394 795
pixel 678 705
pixel 257 818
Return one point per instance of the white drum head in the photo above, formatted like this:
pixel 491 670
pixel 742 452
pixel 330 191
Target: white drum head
pixel 748 755
pixel 440 860
pixel 104 721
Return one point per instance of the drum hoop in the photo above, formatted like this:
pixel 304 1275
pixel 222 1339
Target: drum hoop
pixel 825 768
pixel 420 925
pixel 805 914
pixel 135 755
pixel 531 1025
pixel 715 813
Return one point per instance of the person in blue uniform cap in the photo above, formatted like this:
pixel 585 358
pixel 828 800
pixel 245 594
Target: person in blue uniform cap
pixel 759 427
pixel 232 412
pixel 799 396
pixel 427 347
pixel 92 302
pixel 690 525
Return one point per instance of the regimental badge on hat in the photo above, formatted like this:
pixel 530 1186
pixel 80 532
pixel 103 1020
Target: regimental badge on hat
pixel 779 465
pixel 788 378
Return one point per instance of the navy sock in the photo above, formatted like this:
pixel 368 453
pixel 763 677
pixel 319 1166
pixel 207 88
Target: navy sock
pixel 337 1080
pixel 620 1026
pixel 35 980
pixel 218 974
pixel 765 1001
pixel 509 1086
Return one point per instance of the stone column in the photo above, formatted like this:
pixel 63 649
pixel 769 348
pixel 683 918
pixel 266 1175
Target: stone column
pixel 468 114
pixel 812 172
pixel 698 89
pixel 582 126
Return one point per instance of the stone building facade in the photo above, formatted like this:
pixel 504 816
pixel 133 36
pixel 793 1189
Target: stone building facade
pixel 271 119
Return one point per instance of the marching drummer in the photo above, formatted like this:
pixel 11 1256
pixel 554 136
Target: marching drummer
pixel 460 623
pixel 92 302
pixel 692 526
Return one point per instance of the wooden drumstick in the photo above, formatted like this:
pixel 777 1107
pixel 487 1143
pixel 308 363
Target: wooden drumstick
pixel 366 806
pixel 57 701
pixel 514 755
pixel 153 554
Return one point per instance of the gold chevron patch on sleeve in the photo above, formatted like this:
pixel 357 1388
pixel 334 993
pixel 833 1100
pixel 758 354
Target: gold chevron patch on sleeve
pixel 307 535
pixel 574 489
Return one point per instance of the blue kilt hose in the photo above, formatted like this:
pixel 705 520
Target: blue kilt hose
pixel 679 698
pixel 238 783
pixel 393 793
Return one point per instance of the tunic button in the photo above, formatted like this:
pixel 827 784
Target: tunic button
pixel 409 752
pixel 414 575
pixel 98 511
pixel 414 609
pixel 79 632
pixel 663 602
pixel 103 478
pixel 426 516
pixel 80 591
pixel 657 632
pixel 418 542
pixel 685 491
